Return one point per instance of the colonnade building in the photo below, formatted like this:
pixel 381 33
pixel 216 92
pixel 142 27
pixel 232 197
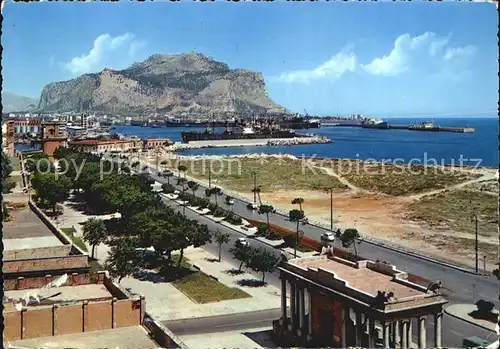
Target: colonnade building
pixel 333 302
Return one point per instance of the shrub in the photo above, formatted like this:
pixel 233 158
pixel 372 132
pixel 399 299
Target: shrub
pixel 219 212
pixel 168 188
pixel 262 229
pixel 204 203
pixel 212 207
pixel 496 272
pixel 273 235
pixel 233 219
pixel 484 307
pixel 290 240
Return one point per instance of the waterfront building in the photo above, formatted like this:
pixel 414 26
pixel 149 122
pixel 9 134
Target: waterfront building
pixel 8 137
pixel 337 303
pixel 53 136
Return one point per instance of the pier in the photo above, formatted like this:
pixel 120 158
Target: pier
pixel 421 128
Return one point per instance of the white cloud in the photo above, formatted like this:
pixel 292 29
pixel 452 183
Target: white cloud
pixel 459 52
pixel 333 69
pixel 104 46
pixel 408 50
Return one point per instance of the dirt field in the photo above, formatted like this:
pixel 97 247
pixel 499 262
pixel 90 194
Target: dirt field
pixel 428 210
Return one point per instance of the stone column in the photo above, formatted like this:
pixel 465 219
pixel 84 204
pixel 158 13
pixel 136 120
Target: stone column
pixel 359 329
pixel 292 305
pixel 371 333
pixel 303 309
pixel 437 329
pixel 404 335
pixel 300 306
pixel 386 334
pixel 345 317
pixel 409 333
pixel 395 333
pixel 283 301
pixel 421 333
pixel 310 316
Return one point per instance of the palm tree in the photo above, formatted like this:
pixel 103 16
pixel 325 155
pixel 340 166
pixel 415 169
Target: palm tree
pixel 193 186
pixel 164 164
pixel 220 239
pixel 296 216
pixel 182 168
pixel 350 237
pixel 217 192
pixel 266 209
pixel 169 174
pixel 257 191
pixel 298 201
pixel 228 201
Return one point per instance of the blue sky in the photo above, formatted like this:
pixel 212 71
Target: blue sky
pixel 387 59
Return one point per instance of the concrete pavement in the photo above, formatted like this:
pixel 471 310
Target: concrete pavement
pixel 462 311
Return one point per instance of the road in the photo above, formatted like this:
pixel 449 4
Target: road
pixel 454 330
pixel 458 286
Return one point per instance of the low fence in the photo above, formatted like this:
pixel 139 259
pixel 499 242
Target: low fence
pixel 33 281
pixel 162 335
pixel 48 263
pixel 57 232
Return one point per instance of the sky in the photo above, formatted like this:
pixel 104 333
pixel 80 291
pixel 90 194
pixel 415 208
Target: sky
pixel 326 58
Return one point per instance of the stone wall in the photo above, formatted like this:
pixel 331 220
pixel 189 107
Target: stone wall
pixel 39 252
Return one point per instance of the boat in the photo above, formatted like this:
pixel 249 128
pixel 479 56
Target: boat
pixel 424 126
pixel 240 132
pixel 375 123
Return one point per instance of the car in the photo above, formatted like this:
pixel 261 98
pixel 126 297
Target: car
pixel 230 202
pixel 242 242
pixel 328 237
pixel 177 192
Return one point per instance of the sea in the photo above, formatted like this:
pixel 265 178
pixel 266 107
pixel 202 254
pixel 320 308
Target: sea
pixel 480 148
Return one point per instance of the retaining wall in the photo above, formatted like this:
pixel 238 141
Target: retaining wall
pixel 83 316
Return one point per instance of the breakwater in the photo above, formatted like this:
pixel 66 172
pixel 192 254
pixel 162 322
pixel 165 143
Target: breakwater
pixel 304 140
pixel 406 127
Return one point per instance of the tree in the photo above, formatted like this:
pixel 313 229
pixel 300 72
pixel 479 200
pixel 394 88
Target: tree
pixel 6 171
pixel 182 168
pixel 266 209
pixel 193 186
pixel 298 201
pixel 94 232
pixel 262 261
pixel 164 164
pixel 39 162
pixel 242 254
pixel 123 259
pixel 350 237
pixel 220 239
pixel 51 189
pixel 168 174
pixel 257 191
pixel 193 234
pixel 216 192
pixel 296 216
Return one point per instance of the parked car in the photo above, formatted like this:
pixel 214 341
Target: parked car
pixel 329 237
pixel 230 202
pixel 242 242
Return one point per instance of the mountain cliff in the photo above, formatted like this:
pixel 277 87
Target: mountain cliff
pixel 187 84
pixel 16 103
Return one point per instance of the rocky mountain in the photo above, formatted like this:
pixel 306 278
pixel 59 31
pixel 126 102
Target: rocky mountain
pixel 16 103
pixel 187 84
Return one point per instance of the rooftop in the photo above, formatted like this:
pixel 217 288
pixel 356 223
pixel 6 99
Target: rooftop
pixel 26 230
pixel 363 279
pixel 63 294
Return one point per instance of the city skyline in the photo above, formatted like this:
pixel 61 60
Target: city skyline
pixel 408 60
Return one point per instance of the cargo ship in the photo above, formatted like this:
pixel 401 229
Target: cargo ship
pixel 240 132
pixel 375 123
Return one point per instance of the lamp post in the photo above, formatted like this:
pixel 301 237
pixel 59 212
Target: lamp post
pixel 254 187
pixel 474 217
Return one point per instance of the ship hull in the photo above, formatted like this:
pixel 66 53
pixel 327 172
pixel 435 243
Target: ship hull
pixel 382 125
pixel 201 136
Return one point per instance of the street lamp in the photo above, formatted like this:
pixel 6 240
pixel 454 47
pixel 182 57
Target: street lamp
pixel 474 217
pixel 330 190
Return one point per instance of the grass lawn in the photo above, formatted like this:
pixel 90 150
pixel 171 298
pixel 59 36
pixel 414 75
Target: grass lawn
pixel 393 179
pixel 455 209
pixel 272 174
pixel 77 240
pixel 202 289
